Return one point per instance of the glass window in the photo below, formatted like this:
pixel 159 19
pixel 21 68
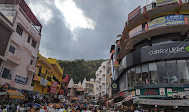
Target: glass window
pixel 12 49
pixel 121 83
pixel 28 39
pixel 162 72
pixel 138 75
pixel 33 44
pixel 133 74
pixel 145 78
pixel 31 62
pixel 172 71
pixel 129 78
pixel 126 81
pixel 153 75
pixel 6 73
pixel 19 30
pixel 183 71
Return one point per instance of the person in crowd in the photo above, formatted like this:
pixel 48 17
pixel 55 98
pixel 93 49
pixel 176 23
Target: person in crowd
pixel 17 108
pixel 42 109
pixel 22 109
pixel 1 108
pixel 4 109
pixel 69 109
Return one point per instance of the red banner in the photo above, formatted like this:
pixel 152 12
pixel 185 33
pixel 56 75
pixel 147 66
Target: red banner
pixel 134 13
pixel 53 87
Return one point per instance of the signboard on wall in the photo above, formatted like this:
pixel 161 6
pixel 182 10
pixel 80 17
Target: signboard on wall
pixel 166 20
pixel 134 13
pixel 53 87
pixel 43 82
pixel 135 31
pixel 165 2
pixel 21 80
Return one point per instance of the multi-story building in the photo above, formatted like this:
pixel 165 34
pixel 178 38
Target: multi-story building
pixel 89 89
pixel 56 77
pixel 6 28
pixel 103 81
pixel 21 57
pixel 154 56
pixel 42 79
pixel 75 92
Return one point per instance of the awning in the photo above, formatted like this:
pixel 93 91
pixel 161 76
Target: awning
pixel 184 102
pixel 15 94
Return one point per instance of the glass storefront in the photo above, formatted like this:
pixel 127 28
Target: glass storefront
pixel 174 71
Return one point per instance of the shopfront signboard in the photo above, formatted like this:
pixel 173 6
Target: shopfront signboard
pixel 134 13
pixel 137 92
pixel 151 93
pixel 162 91
pixel 169 92
pixel 166 21
pixel 163 102
pixel 165 2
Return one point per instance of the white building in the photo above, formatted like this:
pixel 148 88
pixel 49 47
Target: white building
pixel 103 80
pixel 21 55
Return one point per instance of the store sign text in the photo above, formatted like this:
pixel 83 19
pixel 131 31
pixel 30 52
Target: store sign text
pixel 167 50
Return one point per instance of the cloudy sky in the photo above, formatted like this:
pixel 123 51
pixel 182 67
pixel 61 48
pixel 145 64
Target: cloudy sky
pixel 81 29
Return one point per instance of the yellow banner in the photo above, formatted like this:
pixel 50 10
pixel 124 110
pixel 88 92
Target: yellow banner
pixel 158 22
pixel 165 2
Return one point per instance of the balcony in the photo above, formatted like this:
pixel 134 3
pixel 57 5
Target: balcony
pixel 127 46
pixel 152 11
pixel 13 58
pixel 32 69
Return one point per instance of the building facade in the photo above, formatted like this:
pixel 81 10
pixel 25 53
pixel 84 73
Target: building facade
pixel 21 57
pixel 43 78
pixel 153 56
pixel 103 81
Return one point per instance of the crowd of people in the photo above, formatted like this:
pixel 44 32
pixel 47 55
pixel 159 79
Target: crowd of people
pixel 59 108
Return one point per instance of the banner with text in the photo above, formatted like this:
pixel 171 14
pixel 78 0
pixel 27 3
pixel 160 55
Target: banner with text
pixel 165 2
pixel 166 20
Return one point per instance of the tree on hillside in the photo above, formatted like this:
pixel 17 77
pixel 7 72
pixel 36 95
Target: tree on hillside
pixel 79 69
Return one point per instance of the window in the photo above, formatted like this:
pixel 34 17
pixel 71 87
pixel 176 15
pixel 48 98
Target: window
pixel 12 49
pixel 28 39
pixel 31 62
pixel 133 74
pixel 33 44
pixel 138 75
pixel 129 78
pixel 6 73
pixel 183 71
pixel 19 30
pixel 172 71
pixel 145 78
pixel 162 72
pixel 153 73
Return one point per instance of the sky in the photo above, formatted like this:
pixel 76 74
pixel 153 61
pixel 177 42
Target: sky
pixel 81 29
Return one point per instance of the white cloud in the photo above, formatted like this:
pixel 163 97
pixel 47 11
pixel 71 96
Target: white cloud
pixel 74 17
pixel 44 13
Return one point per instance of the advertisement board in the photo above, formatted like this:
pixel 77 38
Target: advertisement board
pixel 21 80
pixel 150 93
pixel 135 31
pixel 165 2
pixel 43 82
pixel 166 20
pixel 53 87
pixel 134 13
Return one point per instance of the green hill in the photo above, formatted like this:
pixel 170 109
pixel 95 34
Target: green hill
pixel 79 69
